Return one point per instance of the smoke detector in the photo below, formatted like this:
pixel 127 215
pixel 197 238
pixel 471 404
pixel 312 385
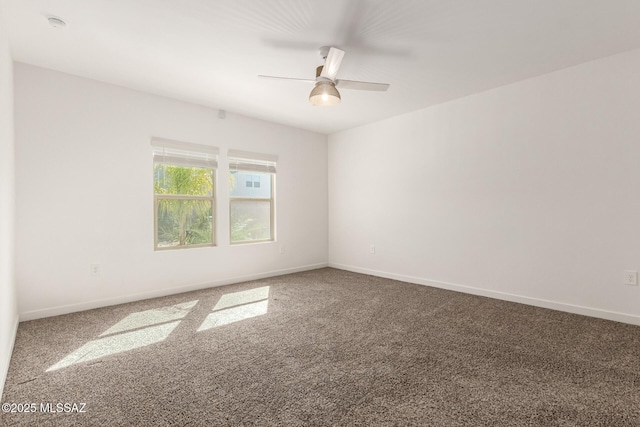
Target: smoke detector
pixel 56 22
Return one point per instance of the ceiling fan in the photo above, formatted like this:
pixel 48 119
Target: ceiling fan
pixel 325 93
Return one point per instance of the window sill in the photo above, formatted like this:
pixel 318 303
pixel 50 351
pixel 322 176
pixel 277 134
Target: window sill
pixel 171 248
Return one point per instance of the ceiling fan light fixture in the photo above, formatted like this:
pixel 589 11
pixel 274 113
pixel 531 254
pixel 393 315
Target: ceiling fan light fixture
pixel 324 94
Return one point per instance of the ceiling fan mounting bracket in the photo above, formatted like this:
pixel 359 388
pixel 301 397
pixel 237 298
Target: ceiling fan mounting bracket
pixel 324 51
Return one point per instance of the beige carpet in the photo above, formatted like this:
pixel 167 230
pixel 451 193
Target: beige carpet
pixel 325 347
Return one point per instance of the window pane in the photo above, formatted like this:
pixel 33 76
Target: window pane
pixel 250 184
pixel 182 180
pixel 184 222
pixel 250 220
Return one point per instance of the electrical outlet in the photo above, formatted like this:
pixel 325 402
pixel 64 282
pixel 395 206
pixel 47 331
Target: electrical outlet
pixel 372 249
pixel 630 277
pixel 282 248
pixel 95 269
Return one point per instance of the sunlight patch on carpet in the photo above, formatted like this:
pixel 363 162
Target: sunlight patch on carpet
pixel 154 316
pixel 117 344
pixel 144 328
pixel 242 297
pixel 237 306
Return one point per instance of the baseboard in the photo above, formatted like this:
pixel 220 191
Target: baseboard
pixel 537 302
pixel 72 308
pixel 4 370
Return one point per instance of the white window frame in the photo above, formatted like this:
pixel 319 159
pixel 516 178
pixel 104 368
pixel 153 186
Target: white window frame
pixel 244 161
pixel 169 152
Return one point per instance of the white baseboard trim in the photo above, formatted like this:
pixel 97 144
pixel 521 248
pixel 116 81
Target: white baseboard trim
pixel 4 370
pixel 537 302
pixel 89 305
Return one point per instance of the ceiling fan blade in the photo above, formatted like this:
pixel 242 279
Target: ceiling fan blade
pixel 350 84
pixel 332 63
pixel 286 78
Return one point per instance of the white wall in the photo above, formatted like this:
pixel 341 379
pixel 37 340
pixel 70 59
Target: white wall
pixel 84 195
pixel 529 192
pixel 8 305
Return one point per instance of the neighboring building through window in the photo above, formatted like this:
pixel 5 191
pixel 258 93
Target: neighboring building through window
pixel 251 181
pixel 251 197
pixel 184 195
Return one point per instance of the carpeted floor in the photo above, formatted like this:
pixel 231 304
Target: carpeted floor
pixel 325 347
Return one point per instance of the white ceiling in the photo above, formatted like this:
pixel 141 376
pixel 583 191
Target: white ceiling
pixel 211 51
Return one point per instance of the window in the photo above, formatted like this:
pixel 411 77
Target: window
pixel 251 196
pixel 252 181
pixel 184 204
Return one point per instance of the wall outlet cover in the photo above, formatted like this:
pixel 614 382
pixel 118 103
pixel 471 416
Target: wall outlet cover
pixel 95 269
pixel 631 277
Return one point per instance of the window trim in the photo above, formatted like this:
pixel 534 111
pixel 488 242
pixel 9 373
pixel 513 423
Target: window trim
pixel 272 216
pixel 245 161
pixel 184 154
